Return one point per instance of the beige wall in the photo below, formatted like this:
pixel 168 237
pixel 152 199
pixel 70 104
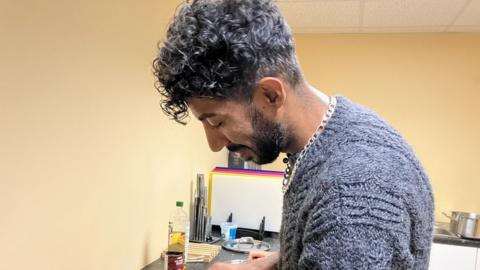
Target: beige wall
pixel 426 85
pixel 90 168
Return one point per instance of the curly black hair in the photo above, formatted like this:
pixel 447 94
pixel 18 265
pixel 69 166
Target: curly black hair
pixel 221 49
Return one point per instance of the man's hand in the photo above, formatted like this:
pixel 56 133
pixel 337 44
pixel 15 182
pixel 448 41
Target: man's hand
pixel 259 254
pixel 257 261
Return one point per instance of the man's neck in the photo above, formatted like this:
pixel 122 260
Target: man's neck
pixel 307 110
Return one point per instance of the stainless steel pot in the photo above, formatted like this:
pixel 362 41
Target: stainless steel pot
pixel 465 224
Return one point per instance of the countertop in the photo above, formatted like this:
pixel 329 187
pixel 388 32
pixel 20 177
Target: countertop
pixel 453 239
pixel 224 256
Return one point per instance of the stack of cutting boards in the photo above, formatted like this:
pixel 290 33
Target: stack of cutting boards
pixel 248 195
pixel 199 252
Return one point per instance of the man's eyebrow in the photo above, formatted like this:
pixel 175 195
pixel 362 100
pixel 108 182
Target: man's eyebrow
pixel 205 116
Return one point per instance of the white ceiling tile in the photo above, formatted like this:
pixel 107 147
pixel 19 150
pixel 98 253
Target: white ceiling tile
pixel 430 29
pixel 471 14
pixel 324 30
pixel 475 29
pixel 381 13
pixel 321 14
pixel 303 1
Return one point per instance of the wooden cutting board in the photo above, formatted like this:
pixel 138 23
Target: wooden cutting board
pixel 199 252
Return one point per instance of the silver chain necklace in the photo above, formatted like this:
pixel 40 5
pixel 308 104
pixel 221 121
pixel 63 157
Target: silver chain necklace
pixel 290 171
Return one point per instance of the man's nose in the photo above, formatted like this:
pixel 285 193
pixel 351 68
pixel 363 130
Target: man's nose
pixel 216 140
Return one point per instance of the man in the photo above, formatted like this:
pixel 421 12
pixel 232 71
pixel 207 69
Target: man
pixel 355 196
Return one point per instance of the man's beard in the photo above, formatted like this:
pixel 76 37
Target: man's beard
pixel 269 139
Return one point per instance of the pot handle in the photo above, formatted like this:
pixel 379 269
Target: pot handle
pixel 449 217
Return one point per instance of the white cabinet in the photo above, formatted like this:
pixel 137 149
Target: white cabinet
pixel 478 259
pixel 451 257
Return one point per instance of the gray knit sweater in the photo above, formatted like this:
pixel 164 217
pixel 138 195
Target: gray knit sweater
pixel 359 200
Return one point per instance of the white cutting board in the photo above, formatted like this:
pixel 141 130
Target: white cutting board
pixel 248 197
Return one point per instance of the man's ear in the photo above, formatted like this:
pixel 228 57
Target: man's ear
pixel 270 93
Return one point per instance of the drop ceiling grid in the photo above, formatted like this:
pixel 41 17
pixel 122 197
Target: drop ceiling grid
pixel 470 15
pixel 302 1
pixel 362 15
pixel 411 13
pixel 406 29
pixel 354 16
pixel 461 28
pixel 321 14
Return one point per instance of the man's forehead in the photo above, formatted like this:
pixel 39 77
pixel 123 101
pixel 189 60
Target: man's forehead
pixel 203 108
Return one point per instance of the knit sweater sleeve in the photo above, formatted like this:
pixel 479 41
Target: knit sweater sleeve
pixel 357 223
pixel 349 247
